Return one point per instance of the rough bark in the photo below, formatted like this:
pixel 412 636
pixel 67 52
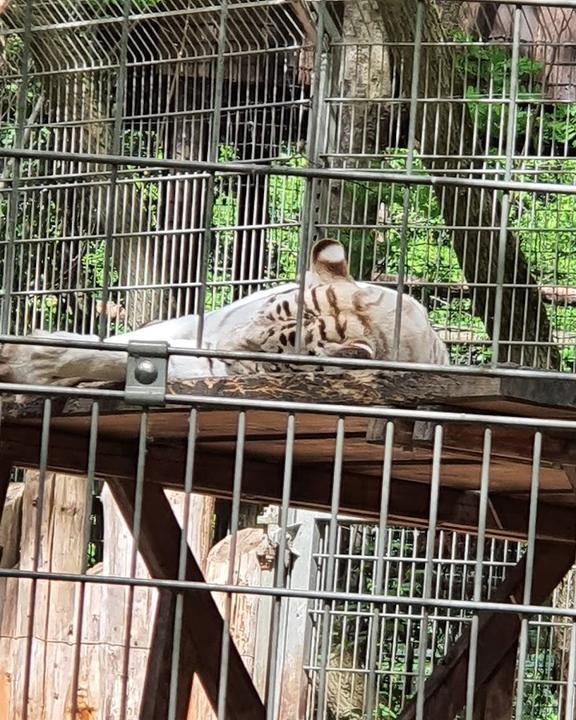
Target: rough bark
pixel 363 74
pixel 79 108
pixel 445 131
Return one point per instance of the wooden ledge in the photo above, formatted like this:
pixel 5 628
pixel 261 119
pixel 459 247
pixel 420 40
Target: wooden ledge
pixel 554 397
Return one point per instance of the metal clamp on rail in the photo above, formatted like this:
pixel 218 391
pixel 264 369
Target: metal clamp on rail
pixel 146 373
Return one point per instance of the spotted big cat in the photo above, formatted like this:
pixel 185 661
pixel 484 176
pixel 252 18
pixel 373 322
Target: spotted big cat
pixel 339 318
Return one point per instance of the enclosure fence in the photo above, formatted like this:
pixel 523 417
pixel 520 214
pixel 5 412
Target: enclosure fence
pixel 366 538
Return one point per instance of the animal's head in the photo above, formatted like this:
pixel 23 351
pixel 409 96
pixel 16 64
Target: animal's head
pixel 340 317
pixel 336 321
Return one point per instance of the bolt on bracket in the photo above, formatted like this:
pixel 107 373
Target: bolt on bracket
pixel 146 373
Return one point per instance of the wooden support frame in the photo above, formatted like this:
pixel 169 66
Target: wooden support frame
pixel 202 623
pixel 494 701
pixel 445 689
pixel 311 486
pixel 156 692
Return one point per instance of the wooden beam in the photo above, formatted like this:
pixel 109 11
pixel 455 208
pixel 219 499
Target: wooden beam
pixel 495 699
pixel 366 388
pixel 445 689
pixel 311 484
pixel 156 691
pixel 202 623
pixel 508 442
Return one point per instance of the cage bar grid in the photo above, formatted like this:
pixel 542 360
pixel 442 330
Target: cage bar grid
pixel 166 157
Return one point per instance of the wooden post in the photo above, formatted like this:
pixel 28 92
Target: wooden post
pixel 253 553
pixel 202 624
pixel 10 543
pixel 445 689
pixel 53 604
pixel 495 700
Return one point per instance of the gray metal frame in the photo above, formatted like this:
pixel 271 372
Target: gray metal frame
pixel 145 177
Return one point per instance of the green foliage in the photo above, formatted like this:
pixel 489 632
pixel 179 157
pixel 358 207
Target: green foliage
pixel 285 197
pixel 543 225
pixel 94 264
pixel 283 207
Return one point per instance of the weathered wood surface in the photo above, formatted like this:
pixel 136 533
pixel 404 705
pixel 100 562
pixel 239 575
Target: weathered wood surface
pixel 445 689
pixel 51 605
pixel 202 624
pixel 10 541
pixel 57 606
pixel 365 388
pixel 252 546
pixel 155 699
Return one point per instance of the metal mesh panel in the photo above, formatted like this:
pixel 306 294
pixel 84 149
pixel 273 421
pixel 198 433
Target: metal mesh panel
pixel 352 624
pixel 165 157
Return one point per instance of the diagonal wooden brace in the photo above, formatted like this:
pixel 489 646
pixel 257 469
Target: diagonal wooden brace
pixel 445 689
pixel 202 623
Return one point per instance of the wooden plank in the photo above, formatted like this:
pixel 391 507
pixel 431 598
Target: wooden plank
pixel 445 689
pixel 52 604
pixel 155 698
pixel 252 544
pixel 367 388
pixel 202 624
pixel 495 699
pixel 311 487
pixel 10 527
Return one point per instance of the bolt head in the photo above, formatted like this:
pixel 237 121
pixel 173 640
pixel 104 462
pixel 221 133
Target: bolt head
pixel 145 372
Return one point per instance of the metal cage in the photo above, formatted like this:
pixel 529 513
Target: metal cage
pixel 388 540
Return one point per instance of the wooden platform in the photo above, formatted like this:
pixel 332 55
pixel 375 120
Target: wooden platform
pixel 314 448
pixel 317 401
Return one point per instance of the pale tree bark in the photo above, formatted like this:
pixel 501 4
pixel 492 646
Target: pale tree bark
pixel 445 132
pixel 79 109
pixel 358 122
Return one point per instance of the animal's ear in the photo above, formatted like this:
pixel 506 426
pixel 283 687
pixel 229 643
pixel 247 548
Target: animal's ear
pixel 328 261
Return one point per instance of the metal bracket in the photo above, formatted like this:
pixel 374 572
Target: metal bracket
pixel 146 373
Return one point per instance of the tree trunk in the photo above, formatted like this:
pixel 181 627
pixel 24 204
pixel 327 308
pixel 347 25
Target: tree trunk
pixel 444 131
pixel 363 73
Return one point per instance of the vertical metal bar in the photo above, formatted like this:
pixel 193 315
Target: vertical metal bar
pixel 429 567
pixel 14 197
pixel 527 592
pixel 306 226
pixel 212 157
pixel 111 197
pixel 234 521
pixel 416 62
pixel 179 604
pixel 505 207
pixel 92 443
pixel 331 564
pixel 379 579
pixel 477 596
pixel 569 704
pixel 136 526
pixel 280 571
pixel 44 443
